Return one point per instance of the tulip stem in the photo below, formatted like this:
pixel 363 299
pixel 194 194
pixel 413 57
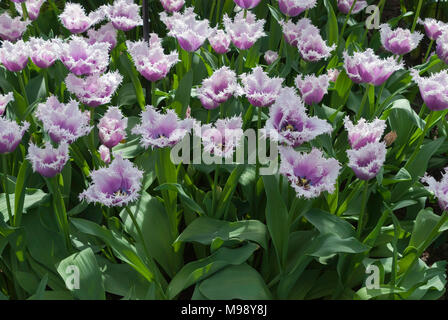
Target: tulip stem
pixel 24 11
pixel 420 141
pixel 59 208
pixel 5 183
pixel 363 102
pixel 363 208
pixel 257 167
pixel 428 51
pixel 417 14
pixel 215 185
pixel 341 35
pixel 47 88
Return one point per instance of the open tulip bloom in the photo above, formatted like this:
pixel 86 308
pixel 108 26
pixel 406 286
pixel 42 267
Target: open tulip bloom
pixel 222 150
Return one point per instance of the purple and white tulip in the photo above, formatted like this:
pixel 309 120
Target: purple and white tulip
pixel 48 161
pixel 32 6
pixel 368 160
pixel 345 5
pixel 292 32
pixel 94 90
pixel 247 4
pixel 313 48
pixel 44 53
pixel 244 31
pixel 438 188
pixel 309 174
pixel 433 27
pixel 218 88
pixel 366 67
pixel 270 57
pixel 158 130
pixel 82 58
pixel 399 41
pixel 11 134
pixel 106 33
pixel 75 19
pixel 114 186
pixel 313 88
pixel 12 29
pixel 220 41
pixel 259 88
pixel 150 60
pixel 293 8
pixel 104 153
pixel 124 14
pixel 442 46
pixel 63 122
pixel 363 132
pixel 112 127
pixel 172 5
pixel 223 138
pixel 14 56
pixel 433 89
pixel 189 32
pixel 288 123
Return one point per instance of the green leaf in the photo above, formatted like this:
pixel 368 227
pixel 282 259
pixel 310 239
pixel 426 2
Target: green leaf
pixel 276 217
pixel 332 24
pixel 183 93
pixel 225 197
pixel 20 190
pixel 124 250
pixel 204 230
pixel 32 198
pixel 90 282
pixel 235 282
pixel 126 67
pixel 329 223
pixel 186 199
pixel 328 244
pixel 201 269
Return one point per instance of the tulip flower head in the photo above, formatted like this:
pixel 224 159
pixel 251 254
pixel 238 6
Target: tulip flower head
pixel 150 60
pixel 82 58
pixel 44 53
pixel 218 88
pixel 433 89
pixel 293 8
pixel 288 122
pixel 11 134
pixel 106 33
pixel 399 41
pixel 313 88
pixel 292 32
pixel 32 6
pixel 112 127
pixel 309 174
pixel 438 188
pixel 48 161
pixel 63 122
pixel 270 57
pixel 363 132
pixel 368 160
pixel 189 32
pixel 366 67
pixel 433 27
pixel 94 90
pixel 345 5
pixel 244 30
pixel 75 19
pixel 14 56
pixel 124 14
pixel 12 29
pixel 114 186
pixel 247 4
pixel 172 5
pixel 222 138
pixel 259 88
pixel 158 130
pixel 220 41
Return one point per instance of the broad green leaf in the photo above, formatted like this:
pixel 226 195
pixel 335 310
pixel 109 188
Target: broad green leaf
pixel 32 198
pixel 329 223
pixel 90 282
pixel 185 198
pixel 201 269
pixel 235 282
pixel 204 230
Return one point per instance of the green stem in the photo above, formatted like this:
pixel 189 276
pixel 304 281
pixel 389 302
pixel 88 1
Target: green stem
pixel 215 185
pixel 363 208
pixel 428 51
pixel 24 11
pixel 22 87
pixel 212 11
pixel 341 35
pixel 5 183
pixel 417 14
pixel 257 168
pixel 60 210
pixel 363 102
pixel 47 88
